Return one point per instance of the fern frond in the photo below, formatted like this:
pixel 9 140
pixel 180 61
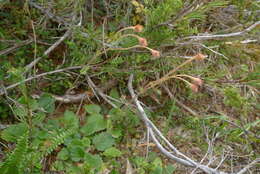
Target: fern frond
pixel 13 163
pixel 58 140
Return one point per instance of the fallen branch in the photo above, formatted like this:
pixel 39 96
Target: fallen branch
pixel 49 13
pixel 68 98
pixel 185 11
pixel 50 49
pixel 219 36
pixel 16 46
pixel 153 131
pixel 2 91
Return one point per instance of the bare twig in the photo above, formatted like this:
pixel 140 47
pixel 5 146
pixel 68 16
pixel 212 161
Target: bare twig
pixel 16 46
pixel 38 76
pixel 249 166
pixel 151 127
pixel 185 11
pixel 219 36
pixel 49 13
pixel 104 96
pixel 179 102
pixel 153 131
pixel 51 48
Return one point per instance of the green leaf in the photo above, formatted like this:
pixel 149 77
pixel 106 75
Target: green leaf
pixel 116 133
pixel 77 153
pixel 70 119
pixel 169 169
pixel 94 161
pixel 103 141
pixel 112 152
pixel 94 124
pixel 47 102
pixel 63 154
pixel 92 109
pixel 13 132
pixel 86 142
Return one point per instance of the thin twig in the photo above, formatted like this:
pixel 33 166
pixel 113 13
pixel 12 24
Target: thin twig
pixel 50 49
pixel 249 166
pixel 49 13
pixel 186 161
pixel 91 83
pixel 38 76
pixel 219 36
pixel 16 46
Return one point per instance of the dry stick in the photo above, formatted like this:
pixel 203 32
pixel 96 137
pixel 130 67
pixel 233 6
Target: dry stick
pixel 186 161
pixel 68 98
pixel 210 36
pixel 90 82
pixel 180 103
pixel 51 48
pixel 167 76
pixel 186 10
pixel 249 166
pixel 9 50
pixel 37 76
pixel 48 13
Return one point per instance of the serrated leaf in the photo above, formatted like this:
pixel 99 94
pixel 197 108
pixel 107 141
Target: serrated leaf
pixel 63 154
pixel 13 132
pixel 94 161
pixel 76 153
pixel 103 141
pixel 70 119
pixel 112 152
pixel 94 124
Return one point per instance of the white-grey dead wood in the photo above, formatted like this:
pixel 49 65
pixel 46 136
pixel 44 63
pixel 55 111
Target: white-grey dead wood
pixel 178 156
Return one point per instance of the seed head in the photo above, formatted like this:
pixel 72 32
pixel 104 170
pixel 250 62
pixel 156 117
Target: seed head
pixel 155 53
pixel 138 28
pixel 200 57
pixel 194 87
pixel 197 81
pixel 142 41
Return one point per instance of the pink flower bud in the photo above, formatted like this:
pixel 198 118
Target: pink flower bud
pixel 155 53
pixel 200 57
pixel 138 28
pixel 142 41
pixel 197 81
pixel 194 87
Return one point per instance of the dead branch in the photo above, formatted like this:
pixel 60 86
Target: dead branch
pixel 249 166
pixel 185 11
pixel 2 91
pixel 183 159
pixel 154 131
pixel 49 13
pixel 220 36
pixel 16 46
pixel 50 49
pixel 99 91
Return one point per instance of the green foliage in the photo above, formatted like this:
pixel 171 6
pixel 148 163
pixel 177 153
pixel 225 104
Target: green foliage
pixel 98 137
pixel 46 102
pixel 14 162
pixel 103 141
pixel 94 124
pixel 112 152
pixel 233 98
pixel 14 132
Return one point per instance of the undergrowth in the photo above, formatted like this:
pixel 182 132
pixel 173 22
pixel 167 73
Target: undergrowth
pixel 41 134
